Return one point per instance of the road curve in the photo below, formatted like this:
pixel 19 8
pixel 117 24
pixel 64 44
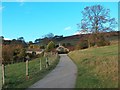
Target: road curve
pixel 63 76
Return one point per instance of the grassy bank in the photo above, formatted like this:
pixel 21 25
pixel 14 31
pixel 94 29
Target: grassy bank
pixel 15 74
pixel 97 67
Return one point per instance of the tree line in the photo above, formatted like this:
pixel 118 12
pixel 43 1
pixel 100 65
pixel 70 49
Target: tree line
pixel 14 51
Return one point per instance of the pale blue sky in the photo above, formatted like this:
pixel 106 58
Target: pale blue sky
pixel 33 20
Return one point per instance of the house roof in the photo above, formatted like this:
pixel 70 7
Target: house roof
pixel 58 48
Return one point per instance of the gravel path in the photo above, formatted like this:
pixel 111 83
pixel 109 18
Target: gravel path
pixel 63 76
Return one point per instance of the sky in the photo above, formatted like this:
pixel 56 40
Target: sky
pixel 33 20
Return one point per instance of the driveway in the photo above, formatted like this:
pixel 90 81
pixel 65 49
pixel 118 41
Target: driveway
pixel 63 76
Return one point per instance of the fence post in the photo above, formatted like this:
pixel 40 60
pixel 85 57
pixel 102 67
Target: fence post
pixel 49 61
pixel 27 75
pixel 44 54
pixel 3 74
pixel 51 53
pixel 27 69
pixel 46 62
pixel 56 55
pixel 40 64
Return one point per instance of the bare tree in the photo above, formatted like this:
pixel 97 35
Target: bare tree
pixel 96 19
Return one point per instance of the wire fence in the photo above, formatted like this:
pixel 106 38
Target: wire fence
pixel 17 74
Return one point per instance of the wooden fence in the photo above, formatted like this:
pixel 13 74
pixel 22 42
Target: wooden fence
pixel 20 72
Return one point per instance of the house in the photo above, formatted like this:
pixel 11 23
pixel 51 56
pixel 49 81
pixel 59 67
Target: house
pixel 36 51
pixel 62 50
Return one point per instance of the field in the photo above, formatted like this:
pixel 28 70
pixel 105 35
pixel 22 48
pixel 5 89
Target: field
pixel 15 74
pixel 97 67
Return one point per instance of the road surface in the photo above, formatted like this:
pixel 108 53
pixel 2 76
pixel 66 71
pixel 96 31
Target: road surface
pixel 63 76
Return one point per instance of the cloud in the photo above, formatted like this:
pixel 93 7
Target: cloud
pixel 68 28
pixel 7 39
pixel 78 33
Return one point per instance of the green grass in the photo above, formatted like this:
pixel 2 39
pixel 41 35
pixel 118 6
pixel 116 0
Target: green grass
pixel 97 67
pixel 15 74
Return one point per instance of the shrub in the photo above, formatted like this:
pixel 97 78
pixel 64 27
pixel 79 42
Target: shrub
pixel 22 53
pixel 13 53
pixel 42 47
pixel 68 44
pixel 64 44
pixel 82 44
pixel 56 46
pixel 101 41
pixel 32 55
pixel 50 46
pixel 92 44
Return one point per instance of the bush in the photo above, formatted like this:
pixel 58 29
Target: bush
pixel 64 44
pixel 101 41
pixel 56 46
pixel 13 53
pixel 107 42
pixel 68 44
pixel 82 44
pixel 42 47
pixel 32 55
pixel 50 46
pixel 92 44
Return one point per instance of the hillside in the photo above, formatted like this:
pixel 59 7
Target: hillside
pixel 71 41
pixel 97 67
pixel 76 38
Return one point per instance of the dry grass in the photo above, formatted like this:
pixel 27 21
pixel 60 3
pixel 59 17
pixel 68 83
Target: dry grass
pixel 97 67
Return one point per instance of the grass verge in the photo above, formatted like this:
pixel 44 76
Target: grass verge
pixel 15 76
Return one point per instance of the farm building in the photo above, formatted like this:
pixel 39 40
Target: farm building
pixel 62 50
